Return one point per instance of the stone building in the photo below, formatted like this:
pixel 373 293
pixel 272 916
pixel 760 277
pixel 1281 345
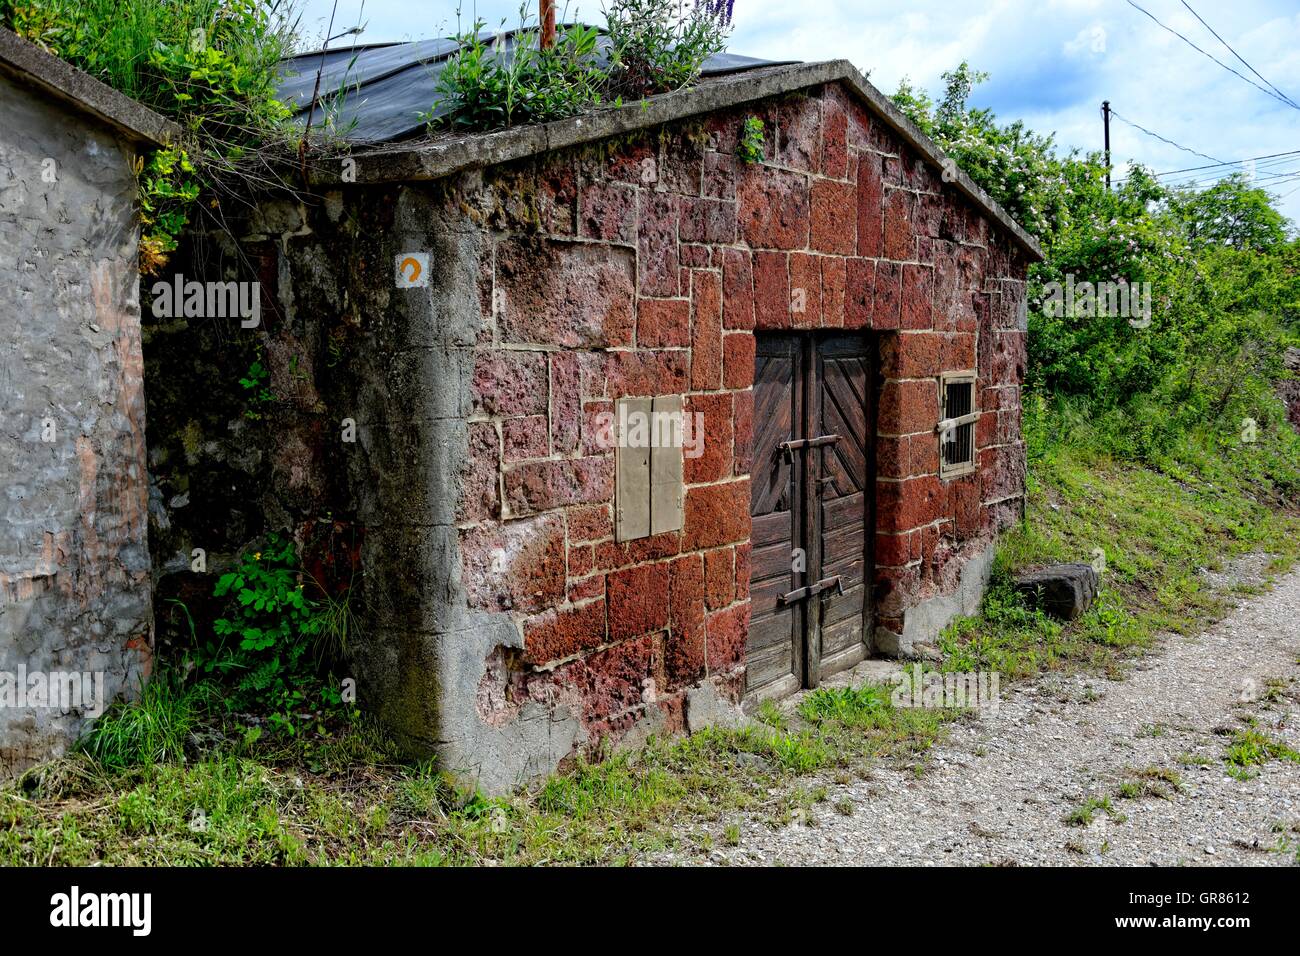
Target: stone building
pixel 75 605
pixel 839 325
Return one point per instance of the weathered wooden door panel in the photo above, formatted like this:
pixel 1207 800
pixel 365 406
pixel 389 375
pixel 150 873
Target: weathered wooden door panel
pixel 774 649
pixel 846 380
pixel 811 509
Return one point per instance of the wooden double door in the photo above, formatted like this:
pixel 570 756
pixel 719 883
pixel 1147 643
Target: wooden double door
pixel 812 508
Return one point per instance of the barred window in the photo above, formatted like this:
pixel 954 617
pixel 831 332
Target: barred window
pixel 956 428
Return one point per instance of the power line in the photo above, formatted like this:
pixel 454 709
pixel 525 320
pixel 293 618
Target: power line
pixel 1194 174
pixel 1229 168
pixel 1236 54
pixel 1232 162
pixel 1185 149
pixel 1267 92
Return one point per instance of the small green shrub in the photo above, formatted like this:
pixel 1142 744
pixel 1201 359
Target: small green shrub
pixel 850 706
pixel 264 652
pixel 660 45
pixel 168 186
pixel 256 385
pixel 486 89
pixel 752 141
pixel 210 65
pixel 1252 747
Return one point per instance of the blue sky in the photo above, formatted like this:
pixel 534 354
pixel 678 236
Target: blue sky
pixel 1051 62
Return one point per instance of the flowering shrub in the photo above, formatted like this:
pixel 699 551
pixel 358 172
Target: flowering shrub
pixel 660 45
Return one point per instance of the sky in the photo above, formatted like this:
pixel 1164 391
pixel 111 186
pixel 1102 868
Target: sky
pixel 1051 64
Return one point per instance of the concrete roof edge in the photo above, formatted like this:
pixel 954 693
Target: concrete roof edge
pixel 82 91
pixel 422 161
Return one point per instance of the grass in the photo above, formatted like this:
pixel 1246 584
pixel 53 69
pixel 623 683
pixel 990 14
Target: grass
pixel 348 799
pixel 1252 747
pixel 1085 813
pixel 1158 782
pixel 147 788
pixel 1156 529
pixel 154 729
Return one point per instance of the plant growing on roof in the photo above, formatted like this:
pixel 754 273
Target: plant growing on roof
pixel 210 65
pixel 661 45
pixel 510 79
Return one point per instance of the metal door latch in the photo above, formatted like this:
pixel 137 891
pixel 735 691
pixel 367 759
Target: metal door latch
pixel 825 584
pixel 788 448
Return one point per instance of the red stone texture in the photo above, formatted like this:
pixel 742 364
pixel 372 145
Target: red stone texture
pixel 684 650
pixel 706 329
pixel 713 415
pixel 834 217
pixel 719 578
pixel 636 600
pixel 522 438
pixel 774 208
pixel 663 322
pixel 716 514
pixel 564 293
pixel 737 360
pixel 646 268
pixel 771 290
pixel 737 289
pixel 564 632
pixel 725 638
pixel 479 499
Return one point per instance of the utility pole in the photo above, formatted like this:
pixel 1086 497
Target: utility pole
pixel 1105 119
pixel 547 10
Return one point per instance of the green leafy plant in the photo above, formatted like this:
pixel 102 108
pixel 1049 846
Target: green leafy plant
pixel 257 386
pixel 264 647
pixel 153 729
pixel 655 46
pixel 210 65
pixel 167 187
pixel 660 45
pixel 485 86
pixel 752 142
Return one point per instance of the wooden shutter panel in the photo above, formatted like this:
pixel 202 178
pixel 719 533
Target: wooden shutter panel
pixel 666 488
pixel 632 472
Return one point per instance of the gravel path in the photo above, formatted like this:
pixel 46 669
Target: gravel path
pixel 999 789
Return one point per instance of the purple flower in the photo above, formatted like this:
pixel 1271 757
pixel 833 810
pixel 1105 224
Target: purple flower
pixel 719 10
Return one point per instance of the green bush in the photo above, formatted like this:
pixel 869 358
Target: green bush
pixel 1223 274
pixel 660 45
pixel 752 143
pixel 272 649
pixel 487 89
pixel 656 46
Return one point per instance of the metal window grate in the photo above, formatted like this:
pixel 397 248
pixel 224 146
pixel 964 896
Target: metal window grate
pixel 957 425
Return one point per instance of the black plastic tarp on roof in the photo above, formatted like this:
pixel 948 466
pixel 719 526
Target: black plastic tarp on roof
pixel 386 88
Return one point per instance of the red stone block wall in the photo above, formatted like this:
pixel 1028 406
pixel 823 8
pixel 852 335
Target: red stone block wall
pixel 643 267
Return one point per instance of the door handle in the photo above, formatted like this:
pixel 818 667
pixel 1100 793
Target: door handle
pixel 788 448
